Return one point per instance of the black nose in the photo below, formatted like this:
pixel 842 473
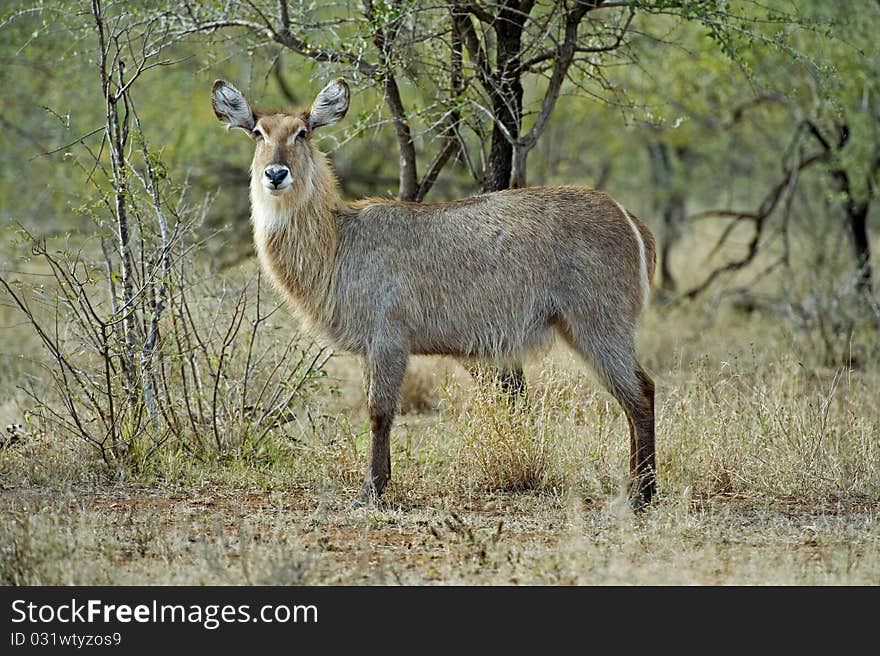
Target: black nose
pixel 276 175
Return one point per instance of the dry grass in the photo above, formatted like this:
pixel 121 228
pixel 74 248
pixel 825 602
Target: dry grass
pixel 212 534
pixel 769 474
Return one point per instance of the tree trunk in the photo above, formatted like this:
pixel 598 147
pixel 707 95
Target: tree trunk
pixel 507 109
pixel 507 99
pixel 669 203
pixel 408 181
pixel 857 222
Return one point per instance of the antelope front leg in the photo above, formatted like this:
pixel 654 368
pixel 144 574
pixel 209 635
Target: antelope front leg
pixel 383 375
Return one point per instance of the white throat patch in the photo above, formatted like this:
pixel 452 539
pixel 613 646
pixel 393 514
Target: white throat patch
pixel 273 212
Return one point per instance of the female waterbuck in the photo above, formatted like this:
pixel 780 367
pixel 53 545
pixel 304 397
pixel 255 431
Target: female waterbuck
pixel 486 278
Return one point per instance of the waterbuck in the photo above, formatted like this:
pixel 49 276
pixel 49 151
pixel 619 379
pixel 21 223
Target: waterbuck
pixel 485 278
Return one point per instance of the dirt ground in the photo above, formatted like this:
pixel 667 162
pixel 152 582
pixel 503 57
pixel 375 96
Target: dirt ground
pixel 217 535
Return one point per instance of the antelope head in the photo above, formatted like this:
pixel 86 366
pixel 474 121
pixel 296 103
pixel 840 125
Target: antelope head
pixel 284 157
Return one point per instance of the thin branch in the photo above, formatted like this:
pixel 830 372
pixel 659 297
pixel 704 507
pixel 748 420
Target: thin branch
pixel 450 147
pixel 79 139
pixel 758 218
pixel 287 40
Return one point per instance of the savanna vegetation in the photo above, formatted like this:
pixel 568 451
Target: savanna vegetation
pixel 166 420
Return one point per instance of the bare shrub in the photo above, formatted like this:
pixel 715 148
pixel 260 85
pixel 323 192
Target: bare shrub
pixel 145 353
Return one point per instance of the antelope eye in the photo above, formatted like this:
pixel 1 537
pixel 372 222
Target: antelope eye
pixel 301 133
pixel 258 134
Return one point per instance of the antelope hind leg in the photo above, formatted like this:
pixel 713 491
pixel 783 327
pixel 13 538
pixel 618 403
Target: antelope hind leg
pixel 383 376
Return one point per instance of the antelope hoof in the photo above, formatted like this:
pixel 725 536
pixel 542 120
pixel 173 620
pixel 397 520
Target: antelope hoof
pixel 370 493
pixel 367 497
pixel 642 499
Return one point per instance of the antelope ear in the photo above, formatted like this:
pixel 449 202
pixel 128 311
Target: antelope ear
pixel 231 107
pixel 330 105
